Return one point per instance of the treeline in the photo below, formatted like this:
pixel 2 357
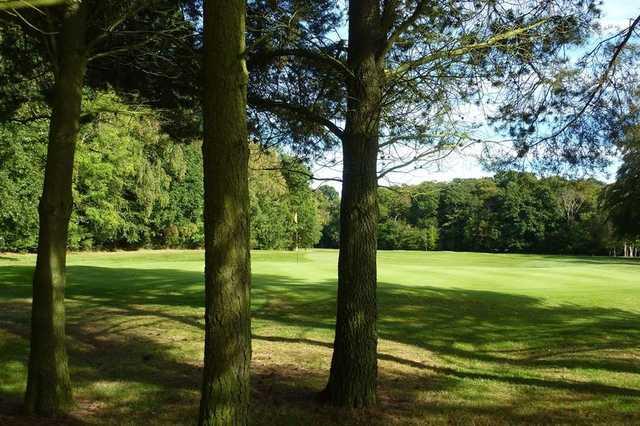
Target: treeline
pixel 135 187
pixel 511 212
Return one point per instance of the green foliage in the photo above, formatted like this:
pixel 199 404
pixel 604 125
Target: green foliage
pixel 135 187
pixel 20 4
pixel 329 208
pixel 512 212
pixel 406 218
pixel 622 199
pixel 21 166
pixel 303 203
pixel 271 217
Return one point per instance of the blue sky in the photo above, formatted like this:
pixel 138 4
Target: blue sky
pixel 616 15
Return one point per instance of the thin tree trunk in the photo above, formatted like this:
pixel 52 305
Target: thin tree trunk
pixel 48 384
pixel 353 376
pixel 227 353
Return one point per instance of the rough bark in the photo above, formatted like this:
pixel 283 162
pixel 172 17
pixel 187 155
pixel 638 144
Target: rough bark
pixel 353 376
pixel 48 384
pixel 227 355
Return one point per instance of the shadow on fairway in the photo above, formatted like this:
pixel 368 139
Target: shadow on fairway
pixel 460 323
pixel 437 319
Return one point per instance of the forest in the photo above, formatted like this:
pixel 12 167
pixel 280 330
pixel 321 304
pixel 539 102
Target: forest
pixel 135 187
pixel 198 124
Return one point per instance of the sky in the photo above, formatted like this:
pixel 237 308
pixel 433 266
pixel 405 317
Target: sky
pixel 616 14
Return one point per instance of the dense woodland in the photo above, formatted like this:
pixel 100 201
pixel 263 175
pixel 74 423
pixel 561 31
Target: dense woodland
pixel 135 187
pixel 106 106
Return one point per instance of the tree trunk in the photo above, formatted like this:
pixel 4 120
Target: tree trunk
pixel 48 384
pixel 353 376
pixel 227 353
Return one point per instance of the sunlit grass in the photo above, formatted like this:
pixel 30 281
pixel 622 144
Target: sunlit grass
pixel 464 338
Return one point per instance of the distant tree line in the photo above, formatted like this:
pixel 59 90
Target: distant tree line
pixel 511 212
pixel 135 187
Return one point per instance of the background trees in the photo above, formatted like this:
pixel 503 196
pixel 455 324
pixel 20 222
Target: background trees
pixel 511 212
pixel 135 186
pixel 329 205
pixel 622 198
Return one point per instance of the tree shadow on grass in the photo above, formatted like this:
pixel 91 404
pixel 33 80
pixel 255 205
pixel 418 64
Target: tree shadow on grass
pixel 506 330
pixel 476 325
pixel 126 375
pixel 447 321
pixel 573 386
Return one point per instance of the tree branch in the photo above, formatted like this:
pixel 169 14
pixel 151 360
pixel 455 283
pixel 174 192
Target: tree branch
pixel 463 50
pixel 597 91
pixel 299 110
pixel 317 56
pixel 19 4
pixel 388 17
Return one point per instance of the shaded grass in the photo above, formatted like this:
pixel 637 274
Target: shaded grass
pixel 465 338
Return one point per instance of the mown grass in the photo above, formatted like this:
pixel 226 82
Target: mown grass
pixel 464 338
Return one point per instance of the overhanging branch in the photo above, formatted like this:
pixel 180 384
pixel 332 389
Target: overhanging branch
pixel 388 17
pixel 463 50
pixel 316 56
pixel 298 110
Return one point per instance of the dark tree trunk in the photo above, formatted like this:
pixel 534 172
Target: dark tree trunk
pixel 227 353
pixel 354 369
pixel 48 383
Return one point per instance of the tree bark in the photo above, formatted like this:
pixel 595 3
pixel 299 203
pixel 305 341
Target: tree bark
pixel 48 384
pixel 353 376
pixel 227 354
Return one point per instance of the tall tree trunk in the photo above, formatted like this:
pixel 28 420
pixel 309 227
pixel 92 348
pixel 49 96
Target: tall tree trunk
pixel 48 384
pixel 354 369
pixel 227 353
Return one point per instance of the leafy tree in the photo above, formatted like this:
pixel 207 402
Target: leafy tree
pixel 135 186
pixel 21 166
pixel 272 224
pixel 64 38
pixel 522 209
pixel 400 67
pixel 48 384
pixel 459 206
pixel 302 201
pixel 509 212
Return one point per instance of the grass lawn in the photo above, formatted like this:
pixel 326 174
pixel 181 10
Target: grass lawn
pixel 464 338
